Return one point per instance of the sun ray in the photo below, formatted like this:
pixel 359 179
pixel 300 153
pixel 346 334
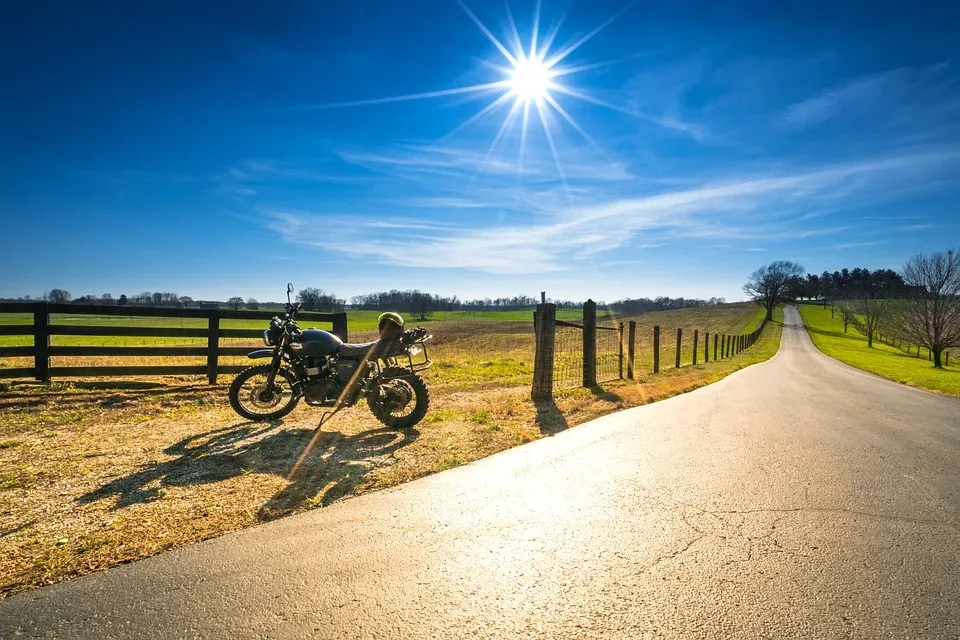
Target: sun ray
pixel 573 123
pixel 553 148
pixel 551 36
pixel 597 101
pixel 487 86
pixel 566 71
pixel 499 45
pixel 517 44
pixel 536 29
pixel 576 45
pixel 490 107
pixel 523 137
pixel 503 128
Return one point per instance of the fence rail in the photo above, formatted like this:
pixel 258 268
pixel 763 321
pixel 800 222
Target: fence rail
pixel 569 355
pixel 42 330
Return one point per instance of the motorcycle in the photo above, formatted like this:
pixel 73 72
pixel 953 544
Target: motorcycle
pixel 324 371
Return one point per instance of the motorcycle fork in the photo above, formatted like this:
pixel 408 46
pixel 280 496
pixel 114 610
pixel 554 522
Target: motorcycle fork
pixel 274 368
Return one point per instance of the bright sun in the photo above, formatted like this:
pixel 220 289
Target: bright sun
pixel 530 80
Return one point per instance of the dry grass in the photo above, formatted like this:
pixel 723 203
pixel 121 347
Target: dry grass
pixel 95 474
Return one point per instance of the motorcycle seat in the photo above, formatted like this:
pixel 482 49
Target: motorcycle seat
pixel 381 349
pixel 356 350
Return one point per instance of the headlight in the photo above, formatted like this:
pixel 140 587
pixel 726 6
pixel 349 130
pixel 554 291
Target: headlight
pixel 266 338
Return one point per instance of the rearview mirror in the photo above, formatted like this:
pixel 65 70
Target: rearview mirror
pixel 289 290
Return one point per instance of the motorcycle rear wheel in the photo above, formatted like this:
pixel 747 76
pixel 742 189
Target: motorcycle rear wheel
pixel 413 386
pixel 251 400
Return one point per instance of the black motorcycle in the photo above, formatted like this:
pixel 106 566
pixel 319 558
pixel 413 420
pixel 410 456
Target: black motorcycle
pixel 326 372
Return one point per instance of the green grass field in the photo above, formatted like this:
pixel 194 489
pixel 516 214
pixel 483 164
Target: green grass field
pixel 883 360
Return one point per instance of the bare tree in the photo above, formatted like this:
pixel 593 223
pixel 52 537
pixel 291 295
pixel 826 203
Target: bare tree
pixel 930 315
pixel 847 313
pixel 768 284
pixel 57 296
pixel 310 298
pixel 235 302
pixel 871 313
pixel 252 303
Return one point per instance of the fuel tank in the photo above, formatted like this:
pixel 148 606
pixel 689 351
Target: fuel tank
pixel 316 342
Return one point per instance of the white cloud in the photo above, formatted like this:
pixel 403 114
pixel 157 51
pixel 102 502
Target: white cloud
pixel 904 96
pixel 734 209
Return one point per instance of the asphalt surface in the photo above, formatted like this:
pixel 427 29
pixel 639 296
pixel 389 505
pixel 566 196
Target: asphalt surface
pixel 795 498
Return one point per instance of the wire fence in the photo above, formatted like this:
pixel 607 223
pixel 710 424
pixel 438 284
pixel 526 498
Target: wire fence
pixel 568 356
pixel 608 354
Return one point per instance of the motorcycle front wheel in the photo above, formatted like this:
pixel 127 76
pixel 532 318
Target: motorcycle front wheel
pixel 252 398
pixel 401 399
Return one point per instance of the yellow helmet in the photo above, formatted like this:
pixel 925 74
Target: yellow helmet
pixel 390 325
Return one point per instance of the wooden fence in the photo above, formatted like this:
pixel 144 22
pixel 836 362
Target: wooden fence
pixel 42 330
pixel 546 323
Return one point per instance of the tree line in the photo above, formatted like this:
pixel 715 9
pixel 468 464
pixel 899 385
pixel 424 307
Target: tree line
pixel 919 303
pixel 419 304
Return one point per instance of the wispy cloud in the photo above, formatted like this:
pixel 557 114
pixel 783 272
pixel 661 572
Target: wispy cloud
pixel 903 96
pixel 731 210
pixel 457 162
pixel 848 245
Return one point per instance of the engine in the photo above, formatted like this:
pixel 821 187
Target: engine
pixel 321 384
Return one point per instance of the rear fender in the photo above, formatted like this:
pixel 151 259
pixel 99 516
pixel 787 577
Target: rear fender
pixel 260 353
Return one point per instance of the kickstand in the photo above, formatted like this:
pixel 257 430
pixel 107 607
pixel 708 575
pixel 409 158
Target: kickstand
pixel 326 416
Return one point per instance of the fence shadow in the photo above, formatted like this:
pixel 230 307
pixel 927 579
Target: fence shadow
pixel 606 394
pixel 334 465
pixel 550 418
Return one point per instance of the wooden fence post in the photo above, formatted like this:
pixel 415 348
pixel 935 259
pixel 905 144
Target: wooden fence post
pixel 716 341
pixel 620 351
pixel 340 326
pixel 543 357
pixel 213 344
pixel 679 341
pixel 656 349
pixel 589 343
pixel 706 346
pixel 41 341
pixel 696 344
pixel 631 347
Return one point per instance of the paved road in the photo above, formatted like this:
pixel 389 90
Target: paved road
pixel 796 498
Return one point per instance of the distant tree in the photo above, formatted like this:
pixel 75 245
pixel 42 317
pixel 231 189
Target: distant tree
pixel 157 298
pixel 252 303
pixel 170 299
pixel 186 301
pixel 847 313
pixel 106 298
pixel 930 314
pixel 768 284
pixel 57 296
pixel 310 298
pixel 122 300
pixel 235 302
pixel 871 313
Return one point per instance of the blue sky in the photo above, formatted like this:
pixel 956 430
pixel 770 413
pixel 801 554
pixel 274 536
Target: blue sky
pixel 224 148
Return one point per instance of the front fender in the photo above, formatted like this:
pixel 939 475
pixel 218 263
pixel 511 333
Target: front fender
pixel 260 353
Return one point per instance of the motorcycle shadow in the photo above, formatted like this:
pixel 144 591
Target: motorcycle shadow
pixel 321 467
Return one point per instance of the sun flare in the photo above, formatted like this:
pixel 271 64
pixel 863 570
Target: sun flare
pixel 530 80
